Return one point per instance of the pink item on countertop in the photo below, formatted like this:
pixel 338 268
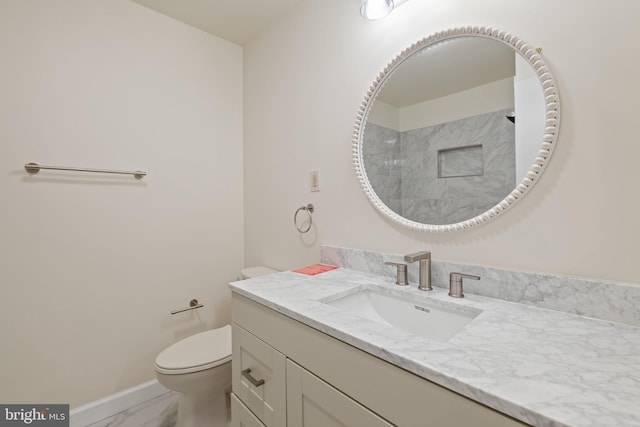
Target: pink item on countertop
pixel 312 270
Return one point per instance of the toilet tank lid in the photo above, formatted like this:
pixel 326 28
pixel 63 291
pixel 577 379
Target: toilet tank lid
pixel 251 272
pixel 197 352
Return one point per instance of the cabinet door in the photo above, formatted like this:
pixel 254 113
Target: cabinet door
pixel 241 416
pixel 312 402
pixel 259 377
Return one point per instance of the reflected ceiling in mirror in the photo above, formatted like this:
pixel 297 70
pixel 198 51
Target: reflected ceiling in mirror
pixel 437 146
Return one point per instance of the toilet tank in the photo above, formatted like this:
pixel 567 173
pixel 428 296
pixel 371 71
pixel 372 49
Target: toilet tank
pixel 251 272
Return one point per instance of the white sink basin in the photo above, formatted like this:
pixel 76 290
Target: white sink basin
pixel 433 319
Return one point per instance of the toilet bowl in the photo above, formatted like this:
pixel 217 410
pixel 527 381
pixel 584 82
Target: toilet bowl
pixel 199 368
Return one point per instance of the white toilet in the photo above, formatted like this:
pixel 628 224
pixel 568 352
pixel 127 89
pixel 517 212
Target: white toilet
pixel 199 368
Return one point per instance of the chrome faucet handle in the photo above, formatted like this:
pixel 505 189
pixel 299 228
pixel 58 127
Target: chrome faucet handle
pixel 401 273
pixel 424 270
pixel 455 283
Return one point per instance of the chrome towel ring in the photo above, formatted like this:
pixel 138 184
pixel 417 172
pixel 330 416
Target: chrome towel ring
pixel 309 208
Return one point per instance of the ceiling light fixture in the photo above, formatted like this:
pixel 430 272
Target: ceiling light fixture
pixel 376 9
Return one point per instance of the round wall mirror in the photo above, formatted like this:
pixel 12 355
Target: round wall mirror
pixel 456 129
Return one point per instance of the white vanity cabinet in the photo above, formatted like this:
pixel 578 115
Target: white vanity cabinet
pixel 241 416
pixel 312 379
pixel 261 397
pixel 312 402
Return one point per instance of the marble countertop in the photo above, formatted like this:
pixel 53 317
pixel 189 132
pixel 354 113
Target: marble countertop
pixel 544 367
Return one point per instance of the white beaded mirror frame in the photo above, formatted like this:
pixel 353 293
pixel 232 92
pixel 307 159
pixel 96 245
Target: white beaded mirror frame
pixel 548 143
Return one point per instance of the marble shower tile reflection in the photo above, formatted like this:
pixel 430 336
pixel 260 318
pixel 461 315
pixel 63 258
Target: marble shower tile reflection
pixel 388 188
pixel 381 143
pixel 423 187
pixel 438 211
pixel 380 139
pixel 395 205
pixel 480 206
pixel 489 186
pixel 161 411
pixel 412 156
pixel 462 161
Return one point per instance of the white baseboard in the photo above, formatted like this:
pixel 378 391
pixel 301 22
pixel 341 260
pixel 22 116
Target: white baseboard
pixel 111 405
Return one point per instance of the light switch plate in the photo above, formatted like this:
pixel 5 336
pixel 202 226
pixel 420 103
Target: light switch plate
pixel 315 180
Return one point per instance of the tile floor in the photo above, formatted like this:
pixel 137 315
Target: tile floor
pixel 158 412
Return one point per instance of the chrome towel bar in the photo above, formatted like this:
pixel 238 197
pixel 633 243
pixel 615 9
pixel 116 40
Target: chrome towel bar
pixel 34 168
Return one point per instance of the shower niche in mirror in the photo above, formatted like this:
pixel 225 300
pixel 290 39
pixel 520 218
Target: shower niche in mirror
pixel 456 129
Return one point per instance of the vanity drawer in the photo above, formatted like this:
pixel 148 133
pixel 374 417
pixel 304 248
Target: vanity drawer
pixel 259 378
pixel 241 416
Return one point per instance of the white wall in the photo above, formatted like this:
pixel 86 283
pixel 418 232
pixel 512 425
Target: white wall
pixel 481 99
pixel 305 80
pixel 385 115
pixel 90 265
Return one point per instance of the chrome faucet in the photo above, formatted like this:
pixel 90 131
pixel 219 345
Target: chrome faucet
pixel 424 279
pixel 455 283
pixel 401 273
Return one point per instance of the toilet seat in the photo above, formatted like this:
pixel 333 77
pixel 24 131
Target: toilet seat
pixel 198 352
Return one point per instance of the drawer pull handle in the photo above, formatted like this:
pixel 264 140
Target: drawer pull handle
pixel 247 374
